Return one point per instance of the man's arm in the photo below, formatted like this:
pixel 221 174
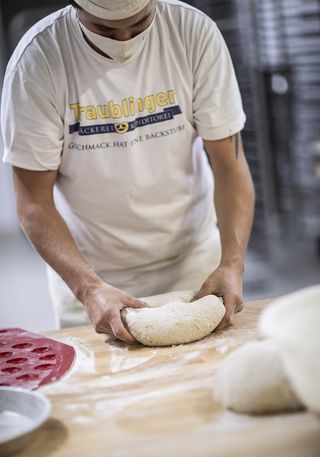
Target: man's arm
pixel 52 239
pixel 234 202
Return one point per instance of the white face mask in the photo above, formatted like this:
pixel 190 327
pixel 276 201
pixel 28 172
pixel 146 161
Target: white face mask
pixel 119 51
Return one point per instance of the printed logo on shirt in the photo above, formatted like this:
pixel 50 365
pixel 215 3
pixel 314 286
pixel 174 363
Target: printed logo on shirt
pixel 126 108
pixel 121 128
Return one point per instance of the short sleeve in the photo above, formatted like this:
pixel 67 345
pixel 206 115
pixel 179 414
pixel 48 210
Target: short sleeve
pixel 32 129
pixel 217 104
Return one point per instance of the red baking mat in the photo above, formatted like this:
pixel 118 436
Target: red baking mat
pixel 29 360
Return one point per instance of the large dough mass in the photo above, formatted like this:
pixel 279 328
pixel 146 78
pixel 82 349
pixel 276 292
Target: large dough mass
pixel 293 323
pixel 252 379
pixel 175 322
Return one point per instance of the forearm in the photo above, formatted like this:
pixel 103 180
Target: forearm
pixel 234 202
pixel 52 239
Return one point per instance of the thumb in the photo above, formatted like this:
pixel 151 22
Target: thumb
pixel 200 294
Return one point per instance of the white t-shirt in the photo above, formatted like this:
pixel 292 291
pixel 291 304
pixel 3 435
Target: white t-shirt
pixel 134 184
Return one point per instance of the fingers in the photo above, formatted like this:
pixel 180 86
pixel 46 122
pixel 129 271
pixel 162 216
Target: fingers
pixel 229 303
pixel 119 330
pixel 116 328
pixel 104 311
pixel 136 303
pixel 239 308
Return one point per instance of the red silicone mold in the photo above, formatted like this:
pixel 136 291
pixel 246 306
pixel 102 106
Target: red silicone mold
pixel 29 360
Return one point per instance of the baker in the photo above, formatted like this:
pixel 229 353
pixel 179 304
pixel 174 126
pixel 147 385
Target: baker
pixel 111 113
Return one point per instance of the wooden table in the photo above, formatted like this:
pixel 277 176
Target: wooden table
pixel 157 402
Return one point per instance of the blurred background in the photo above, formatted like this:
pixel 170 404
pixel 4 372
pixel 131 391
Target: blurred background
pixel 275 47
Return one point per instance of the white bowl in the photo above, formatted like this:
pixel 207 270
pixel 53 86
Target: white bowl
pixel 21 413
pixel 293 322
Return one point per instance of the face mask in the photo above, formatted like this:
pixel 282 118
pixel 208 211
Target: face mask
pixel 119 51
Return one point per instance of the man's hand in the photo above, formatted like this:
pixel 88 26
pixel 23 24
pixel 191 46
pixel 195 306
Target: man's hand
pixel 104 303
pixel 234 203
pixel 225 282
pixel 50 235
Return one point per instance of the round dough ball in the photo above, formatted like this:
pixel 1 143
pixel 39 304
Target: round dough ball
pixel 252 379
pixel 175 322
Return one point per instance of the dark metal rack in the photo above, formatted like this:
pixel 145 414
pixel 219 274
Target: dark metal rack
pixel 291 66
pixel 275 47
pixel 229 15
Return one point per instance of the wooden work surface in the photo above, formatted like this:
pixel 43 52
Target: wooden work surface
pixel 157 402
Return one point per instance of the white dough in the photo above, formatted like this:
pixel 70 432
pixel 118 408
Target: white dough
pixel 161 299
pixel 293 323
pixel 176 322
pixel 252 379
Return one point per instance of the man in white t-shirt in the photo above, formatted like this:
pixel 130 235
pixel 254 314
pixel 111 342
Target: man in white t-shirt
pixel 106 107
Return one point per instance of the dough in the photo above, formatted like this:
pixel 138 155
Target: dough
pixel 293 323
pixel 176 322
pixel 161 299
pixel 252 379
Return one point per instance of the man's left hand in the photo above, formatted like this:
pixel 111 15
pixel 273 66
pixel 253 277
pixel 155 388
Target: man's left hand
pixel 225 282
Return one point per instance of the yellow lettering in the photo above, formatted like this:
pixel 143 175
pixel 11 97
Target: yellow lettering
pixel 162 99
pixel 103 111
pixel 128 106
pixel 76 111
pixel 149 103
pixel 91 113
pixel 125 107
pixel 140 104
pixel 115 110
pixel 131 106
pixel 171 96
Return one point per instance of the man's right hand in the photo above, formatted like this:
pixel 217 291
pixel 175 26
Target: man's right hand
pixel 104 303
pixel 53 240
